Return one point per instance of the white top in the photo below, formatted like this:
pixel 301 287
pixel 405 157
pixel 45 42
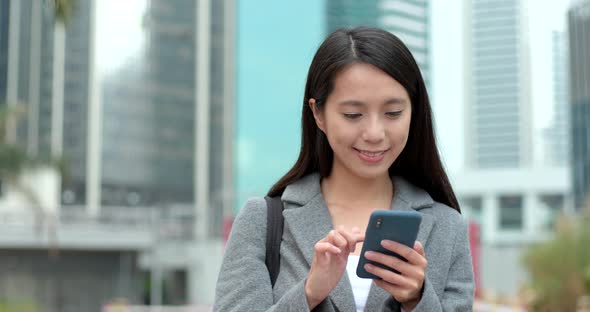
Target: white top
pixel 360 286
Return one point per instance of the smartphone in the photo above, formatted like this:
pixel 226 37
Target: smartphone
pixel 399 226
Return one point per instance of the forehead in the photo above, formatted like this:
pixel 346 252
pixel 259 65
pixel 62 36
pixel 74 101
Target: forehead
pixel 366 83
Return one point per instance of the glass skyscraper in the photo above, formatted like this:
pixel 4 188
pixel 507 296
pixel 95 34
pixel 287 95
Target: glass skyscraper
pixel 498 125
pixel 557 134
pixel 407 19
pixel 579 55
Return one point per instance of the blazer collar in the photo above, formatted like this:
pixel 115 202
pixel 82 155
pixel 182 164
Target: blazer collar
pixel 308 219
pixel 304 190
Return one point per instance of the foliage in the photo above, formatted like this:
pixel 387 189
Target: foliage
pixel 560 268
pixel 13 159
pixel 17 306
pixel 63 10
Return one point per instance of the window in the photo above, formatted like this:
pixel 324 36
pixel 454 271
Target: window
pixel 511 212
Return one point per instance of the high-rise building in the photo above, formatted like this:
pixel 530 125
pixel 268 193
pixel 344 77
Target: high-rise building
pixel 579 56
pixel 4 19
pixel 26 53
pixel 77 146
pixel 557 137
pixel 498 128
pixel 149 138
pixel 409 20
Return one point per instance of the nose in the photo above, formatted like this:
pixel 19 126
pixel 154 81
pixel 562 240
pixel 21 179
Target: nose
pixel 374 130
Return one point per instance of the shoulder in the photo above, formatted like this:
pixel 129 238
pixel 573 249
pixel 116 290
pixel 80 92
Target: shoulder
pixel 448 221
pixel 446 214
pixel 251 219
pixel 253 209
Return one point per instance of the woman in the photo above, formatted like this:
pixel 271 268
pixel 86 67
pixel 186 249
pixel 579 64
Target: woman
pixel 367 143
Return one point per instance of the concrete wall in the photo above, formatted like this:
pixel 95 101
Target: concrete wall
pixel 502 273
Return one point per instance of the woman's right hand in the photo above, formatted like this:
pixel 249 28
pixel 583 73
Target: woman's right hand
pixel 329 263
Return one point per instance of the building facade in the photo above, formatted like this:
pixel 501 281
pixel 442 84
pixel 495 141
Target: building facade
pixel 579 54
pixel 148 143
pixel 409 20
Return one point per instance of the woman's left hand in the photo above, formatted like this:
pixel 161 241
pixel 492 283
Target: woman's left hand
pixel 405 286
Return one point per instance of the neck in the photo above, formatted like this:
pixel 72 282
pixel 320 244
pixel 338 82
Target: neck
pixel 347 190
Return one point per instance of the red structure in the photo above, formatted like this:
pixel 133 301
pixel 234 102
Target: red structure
pixel 227 223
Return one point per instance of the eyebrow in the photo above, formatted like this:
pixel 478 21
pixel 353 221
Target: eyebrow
pixel 356 103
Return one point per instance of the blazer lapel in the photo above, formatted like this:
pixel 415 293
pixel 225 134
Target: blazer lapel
pixel 376 298
pixel 408 197
pixel 309 224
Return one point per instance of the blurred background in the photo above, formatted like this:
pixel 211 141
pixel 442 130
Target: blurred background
pixel 133 131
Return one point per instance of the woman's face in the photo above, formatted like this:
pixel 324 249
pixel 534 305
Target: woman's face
pixel 366 119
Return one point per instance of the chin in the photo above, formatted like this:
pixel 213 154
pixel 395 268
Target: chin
pixel 371 173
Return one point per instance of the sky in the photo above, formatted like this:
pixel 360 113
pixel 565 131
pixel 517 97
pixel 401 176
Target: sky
pixel 119 33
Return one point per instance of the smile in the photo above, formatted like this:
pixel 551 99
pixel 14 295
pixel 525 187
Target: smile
pixel 371 156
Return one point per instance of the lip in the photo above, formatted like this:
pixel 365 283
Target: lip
pixel 371 159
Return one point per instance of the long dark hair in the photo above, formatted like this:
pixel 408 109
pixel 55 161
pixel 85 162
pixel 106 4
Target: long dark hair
pixel 419 162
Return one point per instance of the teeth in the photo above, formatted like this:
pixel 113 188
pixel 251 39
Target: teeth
pixel 372 154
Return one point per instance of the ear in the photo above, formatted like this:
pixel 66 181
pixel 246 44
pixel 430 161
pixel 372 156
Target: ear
pixel 317 114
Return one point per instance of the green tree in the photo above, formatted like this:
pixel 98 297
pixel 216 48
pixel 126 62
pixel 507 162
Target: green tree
pixel 560 268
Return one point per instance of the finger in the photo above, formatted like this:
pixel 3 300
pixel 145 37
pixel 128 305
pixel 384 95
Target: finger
pixel 419 248
pixel 325 247
pixel 397 292
pixel 385 285
pixel 390 277
pixel 338 240
pixel 405 268
pixel 408 253
pixel 390 288
pixel 360 237
pixel 350 238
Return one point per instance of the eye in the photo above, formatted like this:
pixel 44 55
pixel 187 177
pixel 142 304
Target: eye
pixel 393 114
pixel 352 116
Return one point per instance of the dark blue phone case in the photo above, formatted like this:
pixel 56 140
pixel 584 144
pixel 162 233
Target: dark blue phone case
pixel 399 226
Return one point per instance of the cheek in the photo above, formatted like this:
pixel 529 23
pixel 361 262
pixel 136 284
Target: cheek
pixel 400 132
pixel 341 136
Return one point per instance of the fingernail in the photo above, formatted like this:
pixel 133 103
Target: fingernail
pixel 368 267
pixel 386 243
pixel 369 254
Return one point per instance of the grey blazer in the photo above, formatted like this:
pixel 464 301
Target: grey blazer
pixel 244 282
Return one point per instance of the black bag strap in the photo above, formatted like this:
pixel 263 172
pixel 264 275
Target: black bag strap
pixel 274 236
